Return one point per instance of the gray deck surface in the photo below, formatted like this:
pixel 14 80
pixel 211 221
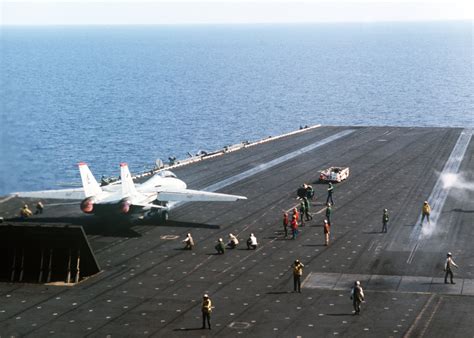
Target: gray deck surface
pixel 149 286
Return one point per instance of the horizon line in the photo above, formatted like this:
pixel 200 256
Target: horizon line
pixel 237 23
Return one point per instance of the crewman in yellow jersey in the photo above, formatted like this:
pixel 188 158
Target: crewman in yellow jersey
pixel 297 273
pixel 25 212
pixel 425 212
pixel 206 311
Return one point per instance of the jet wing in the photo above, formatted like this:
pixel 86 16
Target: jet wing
pixel 63 194
pixel 187 195
pixel 148 206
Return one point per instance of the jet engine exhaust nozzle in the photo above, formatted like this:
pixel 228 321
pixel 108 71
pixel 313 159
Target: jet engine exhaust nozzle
pixel 124 206
pixel 87 205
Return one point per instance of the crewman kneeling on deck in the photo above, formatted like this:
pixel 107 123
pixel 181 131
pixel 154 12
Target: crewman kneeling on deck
pixel 39 208
pixel 220 247
pixel 25 212
pixel 252 242
pixel 189 242
pixel 233 241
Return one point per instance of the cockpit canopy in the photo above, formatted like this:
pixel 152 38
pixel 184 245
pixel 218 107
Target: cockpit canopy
pixel 166 173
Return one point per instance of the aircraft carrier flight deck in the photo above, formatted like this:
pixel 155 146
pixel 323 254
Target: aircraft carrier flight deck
pixel 149 286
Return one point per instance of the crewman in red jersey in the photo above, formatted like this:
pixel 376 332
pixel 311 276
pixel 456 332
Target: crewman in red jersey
pixel 294 227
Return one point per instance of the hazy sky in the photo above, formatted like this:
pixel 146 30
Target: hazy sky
pixel 111 12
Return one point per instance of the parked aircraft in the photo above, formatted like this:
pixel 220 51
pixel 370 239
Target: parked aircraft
pixel 154 196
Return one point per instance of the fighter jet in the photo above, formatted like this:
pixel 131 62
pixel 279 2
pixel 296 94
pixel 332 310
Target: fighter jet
pixel 154 196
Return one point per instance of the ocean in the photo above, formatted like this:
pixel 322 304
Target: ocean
pixel 106 95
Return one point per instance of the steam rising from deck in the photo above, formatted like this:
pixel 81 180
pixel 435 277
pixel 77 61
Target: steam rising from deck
pixel 457 187
pixel 457 182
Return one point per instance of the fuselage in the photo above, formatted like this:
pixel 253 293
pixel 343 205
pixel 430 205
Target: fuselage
pixel 113 200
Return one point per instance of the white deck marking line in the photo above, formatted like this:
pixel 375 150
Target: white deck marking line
pixel 418 318
pixel 6 199
pixel 264 166
pixel 320 211
pixel 277 161
pixel 428 322
pixel 412 253
pixel 439 194
pixel 58 204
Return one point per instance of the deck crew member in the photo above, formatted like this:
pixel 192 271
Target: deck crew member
pixel 206 310
pixel 328 212
pixel 327 232
pixel 220 247
pixel 357 296
pixel 309 191
pixel 286 222
pixel 448 268
pixel 425 212
pixel 25 212
pixel 252 242
pixel 294 227
pixel 297 273
pixel 233 241
pixel 39 208
pixel 302 191
pixel 306 209
pixel 295 215
pixel 330 192
pixel 189 242
pixel 384 220
pixel 302 212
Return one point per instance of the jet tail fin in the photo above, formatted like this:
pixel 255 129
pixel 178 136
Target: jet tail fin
pixel 91 187
pixel 128 187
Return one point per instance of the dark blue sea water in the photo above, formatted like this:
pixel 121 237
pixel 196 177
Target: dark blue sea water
pixel 105 95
